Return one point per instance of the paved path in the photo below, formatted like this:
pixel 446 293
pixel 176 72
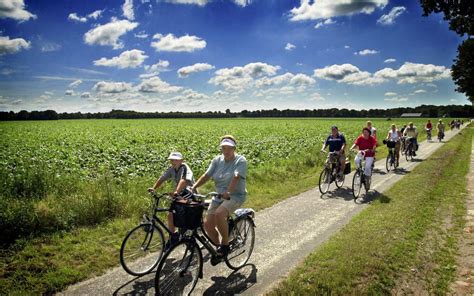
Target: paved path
pixel 286 233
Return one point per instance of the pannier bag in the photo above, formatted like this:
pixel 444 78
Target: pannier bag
pixel 390 144
pixel 187 215
pixel 347 168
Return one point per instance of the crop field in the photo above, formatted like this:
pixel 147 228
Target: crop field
pixel 72 189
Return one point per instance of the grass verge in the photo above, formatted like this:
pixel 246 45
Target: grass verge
pixel 411 239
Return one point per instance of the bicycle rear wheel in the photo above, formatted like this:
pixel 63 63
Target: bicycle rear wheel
pixel 340 180
pixel 241 244
pixel 179 270
pixel 142 249
pixel 356 184
pixel 324 180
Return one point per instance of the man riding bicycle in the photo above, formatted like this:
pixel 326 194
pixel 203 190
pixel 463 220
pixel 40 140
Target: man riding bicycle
pixel 440 128
pixel 395 136
pixel 366 144
pixel 337 143
pixel 182 176
pixel 412 133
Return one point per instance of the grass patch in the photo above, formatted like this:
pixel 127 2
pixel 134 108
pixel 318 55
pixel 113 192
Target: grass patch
pixel 415 232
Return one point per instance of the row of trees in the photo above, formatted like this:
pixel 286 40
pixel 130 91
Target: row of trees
pixel 466 111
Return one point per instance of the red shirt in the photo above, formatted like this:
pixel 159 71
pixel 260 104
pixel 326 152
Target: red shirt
pixel 428 125
pixel 363 144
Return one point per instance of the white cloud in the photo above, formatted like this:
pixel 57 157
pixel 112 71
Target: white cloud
pixel 276 80
pixel 127 8
pixel 184 43
pixel 15 9
pixel 141 35
pixel 74 17
pixel 86 95
pixel 239 78
pixel 390 94
pixel 390 61
pixel 112 87
pixel 389 19
pixel 109 34
pixel 453 100
pixel 397 100
pixel 419 91
pixel 155 69
pixel 10 46
pixel 324 9
pixel 346 46
pixel 155 84
pixel 302 79
pixel 69 92
pixel 325 22
pixel 242 3
pixel 75 83
pixel 366 52
pixel 198 67
pixel 50 46
pixel 189 98
pixel 316 97
pixel 414 73
pixel 127 59
pixel 347 73
pixel 290 46
pixel 95 15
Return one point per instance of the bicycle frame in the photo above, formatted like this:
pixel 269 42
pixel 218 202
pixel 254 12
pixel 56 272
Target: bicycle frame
pixel 155 220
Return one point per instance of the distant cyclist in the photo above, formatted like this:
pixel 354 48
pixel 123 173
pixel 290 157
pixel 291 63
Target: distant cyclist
pixel 440 127
pixel 181 176
pixel 412 133
pixel 395 135
pixel 366 144
pixel 337 143
pixel 373 130
pixel 428 128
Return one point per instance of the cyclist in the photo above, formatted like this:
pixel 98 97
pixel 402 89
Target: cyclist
pixel 440 128
pixel 373 130
pixel 395 136
pixel 367 144
pixel 412 133
pixel 337 143
pixel 428 127
pixel 229 172
pixel 182 176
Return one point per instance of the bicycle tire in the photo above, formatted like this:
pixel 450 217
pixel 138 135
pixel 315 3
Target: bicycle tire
pixel 387 163
pixel 148 252
pixel 174 275
pixel 356 184
pixel 340 182
pixel 325 177
pixel 243 234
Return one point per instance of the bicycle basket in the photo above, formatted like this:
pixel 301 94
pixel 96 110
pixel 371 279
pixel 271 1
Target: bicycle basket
pixel 390 144
pixel 347 168
pixel 187 215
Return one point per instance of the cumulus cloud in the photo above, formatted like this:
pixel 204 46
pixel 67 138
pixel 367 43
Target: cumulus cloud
pixel 141 35
pixel 75 83
pixel 112 87
pixel 83 19
pixel 155 69
pixel 324 9
pixel 325 22
pixel 290 46
pixel 390 61
pixel 198 67
pixel 127 8
pixel 238 78
pixel 242 3
pixel 10 46
pixel 15 9
pixel 127 59
pixel 109 34
pixel 390 94
pixel 316 97
pixel 419 91
pixel 189 98
pixel 347 73
pixel 302 79
pixel 414 73
pixel 155 84
pixel 95 15
pixel 86 95
pixel 366 52
pixel 50 46
pixel 389 19
pixel 184 43
pixel 69 92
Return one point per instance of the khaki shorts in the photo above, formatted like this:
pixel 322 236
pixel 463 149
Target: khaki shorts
pixel 230 205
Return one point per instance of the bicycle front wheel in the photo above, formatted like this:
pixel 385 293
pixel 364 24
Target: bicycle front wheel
pixel 356 184
pixel 389 163
pixel 340 180
pixel 179 270
pixel 324 181
pixel 142 249
pixel 241 244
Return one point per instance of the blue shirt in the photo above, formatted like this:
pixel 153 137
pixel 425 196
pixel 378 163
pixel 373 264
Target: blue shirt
pixel 222 172
pixel 335 144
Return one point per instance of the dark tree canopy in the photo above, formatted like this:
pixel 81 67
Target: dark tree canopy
pixel 459 13
pixel 463 69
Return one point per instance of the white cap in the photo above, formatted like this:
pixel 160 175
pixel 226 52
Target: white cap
pixel 227 142
pixel 175 156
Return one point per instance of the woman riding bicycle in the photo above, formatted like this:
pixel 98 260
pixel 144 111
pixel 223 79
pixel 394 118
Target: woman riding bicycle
pixel 394 135
pixel 366 144
pixel 229 172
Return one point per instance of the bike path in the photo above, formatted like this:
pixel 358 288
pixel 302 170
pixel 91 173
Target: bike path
pixel 285 234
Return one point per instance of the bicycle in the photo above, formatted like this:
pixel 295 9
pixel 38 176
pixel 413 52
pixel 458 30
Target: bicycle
pixel 142 247
pixel 360 178
pixel 391 162
pixel 410 149
pixel 428 134
pixel 181 266
pixel 330 173
pixel 440 136
pixel 403 142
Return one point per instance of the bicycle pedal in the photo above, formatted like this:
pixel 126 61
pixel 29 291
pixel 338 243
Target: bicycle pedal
pixel 216 260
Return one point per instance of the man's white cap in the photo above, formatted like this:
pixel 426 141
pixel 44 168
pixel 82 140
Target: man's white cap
pixel 227 142
pixel 175 156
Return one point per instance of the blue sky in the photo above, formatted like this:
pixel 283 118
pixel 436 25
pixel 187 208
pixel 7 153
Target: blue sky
pixel 189 55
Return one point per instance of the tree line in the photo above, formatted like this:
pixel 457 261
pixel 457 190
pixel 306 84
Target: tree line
pixel 431 111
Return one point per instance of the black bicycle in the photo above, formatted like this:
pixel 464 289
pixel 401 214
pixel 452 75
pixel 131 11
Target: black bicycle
pixel 142 247
pixel 331 173
pixel 428 134
pixel 409 149
pixel 360 178
pixel 440 136
pixel 182 265
pixel 391 162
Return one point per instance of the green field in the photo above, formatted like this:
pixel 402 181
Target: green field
pixel 67 179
